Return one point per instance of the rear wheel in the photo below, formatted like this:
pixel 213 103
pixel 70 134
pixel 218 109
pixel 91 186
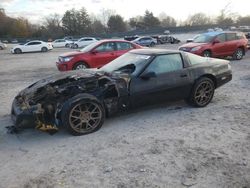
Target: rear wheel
pixel 18 51
pixel 75 46
pixel 238 54
pixel 152 44
pixel 202 92
pixel 207 53
pixel 44 49
pixel 67 45
pixel 80 66
pixel 83 116
pixel 1 48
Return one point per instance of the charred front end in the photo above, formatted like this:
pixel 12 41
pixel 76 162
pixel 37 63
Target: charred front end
pixel 39 105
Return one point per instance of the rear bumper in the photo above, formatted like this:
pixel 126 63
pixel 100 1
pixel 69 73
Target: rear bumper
pixel 224 78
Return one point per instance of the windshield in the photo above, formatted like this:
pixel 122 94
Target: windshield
pixel 129 63
pixel 89 47
pixel 205 38
pixel 195 59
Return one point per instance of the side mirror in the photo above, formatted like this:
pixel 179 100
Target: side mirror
pixel 216 41
pixel 148 75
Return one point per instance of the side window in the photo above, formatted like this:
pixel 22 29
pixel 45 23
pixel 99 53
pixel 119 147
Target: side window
pixel 124 46
pixel 166 63
pixel 221 37
pixel 88 39
pixel 33 43
pixel 231 36
pixel 106 47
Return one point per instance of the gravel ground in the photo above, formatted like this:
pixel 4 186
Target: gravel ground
pixel 168 145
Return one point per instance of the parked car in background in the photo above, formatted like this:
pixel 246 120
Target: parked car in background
pixel 3 46
pixel 130 38
pixel 85 41
pixel 218 44
pixel 61 43
pixel 32 46
pixel 79 101
pixel 14 41
pixel 94 55
pixel 162 39
pixel 145 41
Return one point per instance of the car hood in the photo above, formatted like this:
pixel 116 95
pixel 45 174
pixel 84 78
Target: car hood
pixel 192 45
pixel 68 84
pixel 68 54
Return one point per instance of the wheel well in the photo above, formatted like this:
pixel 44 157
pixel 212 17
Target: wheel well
pixel 81 62
pixel 208 50
pixel 241 47
pixel 212 77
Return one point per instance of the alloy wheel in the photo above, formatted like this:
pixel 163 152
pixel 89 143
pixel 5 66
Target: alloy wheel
pixel 204 93
pixel 85 117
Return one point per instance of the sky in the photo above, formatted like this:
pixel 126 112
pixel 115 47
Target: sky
pixel 35 10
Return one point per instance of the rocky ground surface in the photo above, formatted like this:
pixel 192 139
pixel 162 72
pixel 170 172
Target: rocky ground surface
pixel 168 145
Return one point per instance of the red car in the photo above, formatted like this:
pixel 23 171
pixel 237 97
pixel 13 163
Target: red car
pixel 95 55
pixel 218 44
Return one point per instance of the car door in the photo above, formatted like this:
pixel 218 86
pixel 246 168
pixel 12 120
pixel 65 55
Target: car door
pixel 172 81
pixel 31 47
pixel 122 48
pixel 219 47
pixel 231 43
pixel 103 54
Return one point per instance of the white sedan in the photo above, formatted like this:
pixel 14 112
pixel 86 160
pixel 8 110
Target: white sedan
pixel 2 46
pixel 83 42
pixel 61 43
pixel 32 46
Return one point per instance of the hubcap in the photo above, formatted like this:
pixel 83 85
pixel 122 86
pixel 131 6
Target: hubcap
pixel 78 67
pixel 85 117
pixel 204 93
pixel 206 54
pixel 239 54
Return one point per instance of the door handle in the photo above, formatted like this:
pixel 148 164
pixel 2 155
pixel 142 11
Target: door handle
pixel 183 75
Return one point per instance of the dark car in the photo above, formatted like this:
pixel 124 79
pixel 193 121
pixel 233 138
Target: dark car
pixel 80 100
pixel 218 44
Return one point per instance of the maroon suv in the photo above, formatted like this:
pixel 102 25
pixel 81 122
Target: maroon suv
pixel 218 44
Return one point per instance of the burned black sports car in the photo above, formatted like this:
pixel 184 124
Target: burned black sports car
pixel 80 101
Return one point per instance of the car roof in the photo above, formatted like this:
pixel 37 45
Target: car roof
pixel 35 41
pixel 215 33
pixel 149 51
pixel 113 40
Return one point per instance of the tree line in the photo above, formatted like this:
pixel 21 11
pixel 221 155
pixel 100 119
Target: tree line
pixel 80 23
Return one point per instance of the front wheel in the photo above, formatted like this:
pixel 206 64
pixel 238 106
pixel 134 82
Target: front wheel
pixel 202 92
pixel 18 51
pixel 238 54
pixel 82 117
pixel 80 66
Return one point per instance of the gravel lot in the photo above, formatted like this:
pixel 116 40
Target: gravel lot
pixel 171 145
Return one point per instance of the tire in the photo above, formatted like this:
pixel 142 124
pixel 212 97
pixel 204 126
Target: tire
pixel 202 92
pixel 1 48
pixel 82 114
pixel 152 44
pixel 18 51
pixel 75 46
pixel 67 45
pixel 80 66
pixel 207 53
pixel 44 49
pixel 238 54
